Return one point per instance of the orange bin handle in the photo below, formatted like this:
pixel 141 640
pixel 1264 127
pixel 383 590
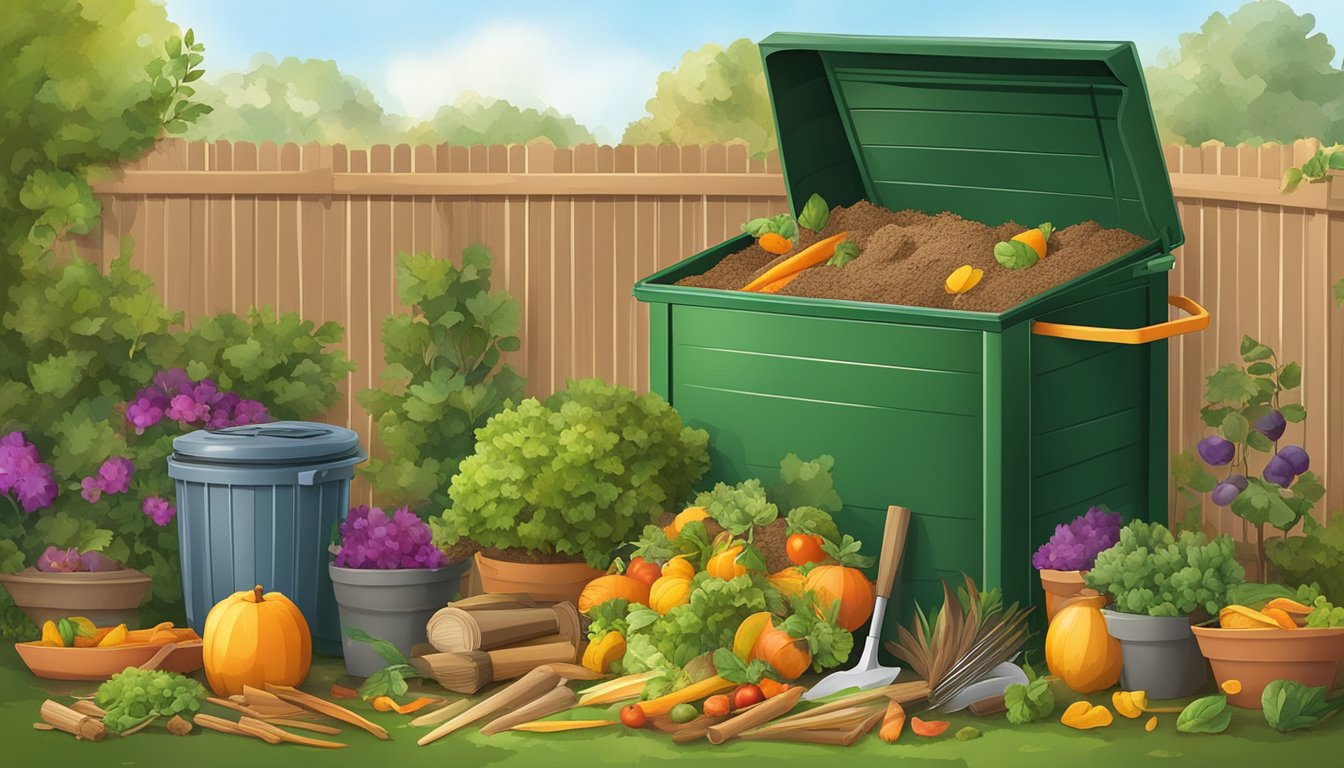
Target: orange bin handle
pixel 1197 321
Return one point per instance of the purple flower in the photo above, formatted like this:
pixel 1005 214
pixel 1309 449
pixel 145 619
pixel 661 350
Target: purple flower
pixel 250 412
pixel 145 411
pixel 372 539
pixel 185 409
pixel 159 510
pixel 90 489
pixel 173 381
pixel 1075 546
pixel 23 473
pixel 96 562
pixel 55 560
pixel 114 476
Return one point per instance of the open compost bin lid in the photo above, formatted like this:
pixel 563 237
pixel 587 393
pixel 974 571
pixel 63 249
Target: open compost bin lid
pixel 992 130
pixel 277 443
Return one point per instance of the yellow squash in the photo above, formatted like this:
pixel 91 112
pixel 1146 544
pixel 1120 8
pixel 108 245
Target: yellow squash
pixel 602 652
pixel 669 592
pixel 679 566
pixel 613 585
pixel 1079 650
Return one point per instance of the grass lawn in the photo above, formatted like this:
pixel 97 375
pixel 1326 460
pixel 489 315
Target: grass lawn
pixel 1249 742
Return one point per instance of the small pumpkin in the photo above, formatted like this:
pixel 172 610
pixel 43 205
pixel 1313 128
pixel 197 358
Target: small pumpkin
pixel 724 565
pixel 789 581
pixel 600 653
pixel 757 637
pixel 640 569
pixel 612 585
pixel 679 566
pixel 849 586
pixel 668 592
pixel 1079 650
pixel 688 515
pixel 252 639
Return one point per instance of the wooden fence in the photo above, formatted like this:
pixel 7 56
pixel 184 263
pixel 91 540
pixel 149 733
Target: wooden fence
pixel 315 229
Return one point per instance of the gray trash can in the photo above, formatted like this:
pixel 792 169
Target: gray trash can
pixel 259 504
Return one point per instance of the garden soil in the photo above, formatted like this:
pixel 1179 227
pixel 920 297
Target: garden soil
pixel 905 257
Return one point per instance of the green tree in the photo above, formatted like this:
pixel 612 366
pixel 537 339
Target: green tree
pixel 1257 75
pixel 475 119
pixel 714 94
pixel 293 100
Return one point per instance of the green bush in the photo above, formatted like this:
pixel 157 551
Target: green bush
pixel 577 475
pixel 1317 556
pixel 444 378
pixel 1151 572
pixel 86 343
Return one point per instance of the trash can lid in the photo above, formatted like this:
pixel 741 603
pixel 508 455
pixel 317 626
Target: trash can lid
pixel 279 442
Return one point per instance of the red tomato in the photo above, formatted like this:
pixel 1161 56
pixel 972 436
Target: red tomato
pixel 633 716
pixel 643 571
pixel 804 548
pixel 747 694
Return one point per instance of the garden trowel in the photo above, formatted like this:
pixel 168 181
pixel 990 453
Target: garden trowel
pixel 868 673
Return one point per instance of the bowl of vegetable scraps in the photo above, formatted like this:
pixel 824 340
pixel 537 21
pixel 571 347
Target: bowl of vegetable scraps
pixel 74 649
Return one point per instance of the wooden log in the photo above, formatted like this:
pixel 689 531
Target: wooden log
pixel 77 724
pixel 528 687
pixel 560 698
pixel 762 713
pixel 835 719
pixel 490 601
pixel 470 671
pixel 324 707
pixel 453 630
pixel 441 715
pixel 903 693
pixel 86 707
pixel 508 663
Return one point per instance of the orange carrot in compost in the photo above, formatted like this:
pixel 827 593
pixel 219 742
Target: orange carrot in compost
pixel 775 243
pixel 810 256
pixel 772 688
pixel 780 283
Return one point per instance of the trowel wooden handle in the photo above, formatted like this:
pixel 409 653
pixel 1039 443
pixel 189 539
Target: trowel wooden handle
pixel 893 545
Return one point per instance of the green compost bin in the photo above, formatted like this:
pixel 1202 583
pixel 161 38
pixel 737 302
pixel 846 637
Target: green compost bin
pixel 989 431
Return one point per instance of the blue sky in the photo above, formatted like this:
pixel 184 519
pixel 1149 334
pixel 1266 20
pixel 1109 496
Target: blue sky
pixel 599 60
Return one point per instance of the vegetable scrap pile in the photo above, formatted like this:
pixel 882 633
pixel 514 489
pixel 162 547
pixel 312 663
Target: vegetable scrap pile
pixel 864 252
pixel 80 632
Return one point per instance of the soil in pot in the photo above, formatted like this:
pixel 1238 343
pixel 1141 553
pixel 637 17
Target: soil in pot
pixel 392 605
pixel 905 257
pixel 544 581
pixel 1257 657
pixel 107 598
pixel 1161 654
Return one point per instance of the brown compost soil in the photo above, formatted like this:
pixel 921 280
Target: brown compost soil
pixel 905 257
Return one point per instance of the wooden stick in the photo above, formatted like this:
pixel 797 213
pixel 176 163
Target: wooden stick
pixel 696 729
pixel 558 699
pixel 86 707
pixel 79 725
pixel 441 715
pixel 832 737
pixel 991 706
pixel 901 692
pixel 283 735
pixel 574 671
pixel 233 705
pixel 529 686
pixel 231 728
pixel 322 706
pixel 43 727
pixel 257 733
pixel 140 726
pixel 762 713
pixel 301 725
pixel 268 705
pixel 839 718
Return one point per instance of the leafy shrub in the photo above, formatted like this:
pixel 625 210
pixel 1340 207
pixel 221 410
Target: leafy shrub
pixel 1151 572
pixel 1317 556
pixel 577 475
pixel 95 364
pixel 444 378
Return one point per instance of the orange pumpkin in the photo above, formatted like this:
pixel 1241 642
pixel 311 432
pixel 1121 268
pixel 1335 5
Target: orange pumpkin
pixel 849 586
pixel 253 639
pixel 613 585
pixel 1079 650
pixel 724 565
pixel 789 581
pixel 668 593
pixel 679 566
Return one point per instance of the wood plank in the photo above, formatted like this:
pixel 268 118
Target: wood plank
pixel 644 256
pixel 626 242
pixel 604 270
pixel 363 343
pixel 312 253
pixel 382 266
pixel 244 260
pixel 219 278
pixel 177 268
pixel 1256 191
pixel 539 322
pixel 198 271
pixel 268 237
pixel 495 221
pixel 335 265
pixel 289 290
pixel 563 276
pixel 584 270
pixel 422 206
pixel 515 268
pixel 403 221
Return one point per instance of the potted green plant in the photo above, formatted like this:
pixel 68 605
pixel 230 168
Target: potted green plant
pixel 389 578
pixel 1160 584
pixel 555 487
pixel 1068 555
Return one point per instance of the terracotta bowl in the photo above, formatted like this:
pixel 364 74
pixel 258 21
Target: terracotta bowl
pixel 1257 657
pixel 550 582
pixel 101 663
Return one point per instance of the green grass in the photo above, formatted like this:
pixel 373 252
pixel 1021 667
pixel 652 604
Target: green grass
pixel 1249 742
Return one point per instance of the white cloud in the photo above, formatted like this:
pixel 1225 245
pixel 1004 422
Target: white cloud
pixel 598 81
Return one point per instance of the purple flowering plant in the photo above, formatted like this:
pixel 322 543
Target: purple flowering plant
pixel 1075 545
pixel 372 538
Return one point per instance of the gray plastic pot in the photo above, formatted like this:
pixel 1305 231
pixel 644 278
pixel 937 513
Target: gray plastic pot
pixel 1161 654
pixel 392 605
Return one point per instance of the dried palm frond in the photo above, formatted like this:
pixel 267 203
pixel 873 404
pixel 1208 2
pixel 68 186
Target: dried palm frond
pixel 959 644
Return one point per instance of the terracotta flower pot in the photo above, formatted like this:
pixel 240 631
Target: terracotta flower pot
pixel 551 582
pixel 1257 657
pixel 106 598
pixel 1061 587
